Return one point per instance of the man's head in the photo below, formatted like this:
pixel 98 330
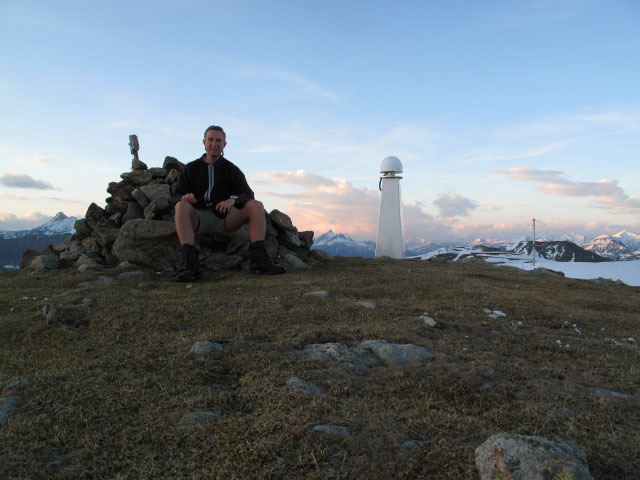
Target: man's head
pixel 217 129
pixel 214 142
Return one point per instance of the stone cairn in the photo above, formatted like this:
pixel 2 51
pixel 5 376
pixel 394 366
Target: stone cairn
pixel 137 226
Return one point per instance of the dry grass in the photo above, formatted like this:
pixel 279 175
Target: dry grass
pixel 109 389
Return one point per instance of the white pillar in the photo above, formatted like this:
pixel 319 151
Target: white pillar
pixel 390 241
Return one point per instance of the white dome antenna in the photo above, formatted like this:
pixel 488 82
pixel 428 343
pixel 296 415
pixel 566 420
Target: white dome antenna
pixel 390 241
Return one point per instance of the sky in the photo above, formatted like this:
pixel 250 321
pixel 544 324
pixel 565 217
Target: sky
pixel 500 111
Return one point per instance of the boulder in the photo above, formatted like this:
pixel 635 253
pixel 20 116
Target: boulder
pixel 134 212
pixel 121 191
pixel 523 457
pixel 159 192
pixel 152 243
pixel 158 172
pixel 140 197
pixel 172 163
pixel 116 206
pixel 137 164
pixel 106 236
pixel 82 229
pixel 137 177
pixel 27 257
pixel 45 262
pixel 97 217
pixel 156 209
pixel 394 354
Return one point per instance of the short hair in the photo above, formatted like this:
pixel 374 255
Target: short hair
pixel 217 129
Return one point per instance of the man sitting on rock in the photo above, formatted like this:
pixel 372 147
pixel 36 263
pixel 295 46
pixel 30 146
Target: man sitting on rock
pixel 212 196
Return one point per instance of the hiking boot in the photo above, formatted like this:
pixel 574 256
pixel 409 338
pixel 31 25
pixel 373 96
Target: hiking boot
pixel 189 264
pixel 260 261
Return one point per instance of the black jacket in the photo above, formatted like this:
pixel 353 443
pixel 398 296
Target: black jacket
pixel 212 184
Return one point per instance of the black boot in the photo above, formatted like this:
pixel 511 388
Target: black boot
pixel 260 261
pixel 189 264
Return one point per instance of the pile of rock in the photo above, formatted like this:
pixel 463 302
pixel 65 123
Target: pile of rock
pixel 137 226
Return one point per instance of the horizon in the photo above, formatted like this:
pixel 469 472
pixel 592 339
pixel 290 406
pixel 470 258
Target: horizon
pixel 500 112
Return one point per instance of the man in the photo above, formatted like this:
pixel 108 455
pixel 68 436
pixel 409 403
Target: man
pixel 212 196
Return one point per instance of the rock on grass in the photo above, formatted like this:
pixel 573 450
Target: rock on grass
pixel 523 457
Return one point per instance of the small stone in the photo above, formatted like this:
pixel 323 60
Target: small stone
pixel 486 371
pixel 609 393
pixel 366 305
pixel 54 464
pixel 410 445
pixel 50 312
pixel 137 164
pixel 127 276
pixel 428 321
pixel 7 404
pixel 198 418
pixel 306 388
pixel 87 267
pixel 318 293
pixel 143 285
pixel 333 430
pixel 140 197
pixel 393 354
pixel 16 383
pixel 205 347
pixel 294 261
pixel 563 412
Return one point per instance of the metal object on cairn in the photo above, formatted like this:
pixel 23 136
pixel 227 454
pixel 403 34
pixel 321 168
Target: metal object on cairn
pixel 390 241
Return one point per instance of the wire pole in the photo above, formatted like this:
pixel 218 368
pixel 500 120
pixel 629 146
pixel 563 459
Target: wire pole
pixel 533 250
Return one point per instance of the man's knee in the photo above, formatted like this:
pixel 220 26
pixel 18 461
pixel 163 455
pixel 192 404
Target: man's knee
pixel 183 208
pixel 255 206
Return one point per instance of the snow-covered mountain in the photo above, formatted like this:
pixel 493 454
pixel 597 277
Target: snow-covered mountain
pixel 341 244
pixel 559 252
pixel 623 245
pixel 14 242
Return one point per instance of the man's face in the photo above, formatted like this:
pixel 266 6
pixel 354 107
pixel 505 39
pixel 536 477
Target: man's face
pixel 214 143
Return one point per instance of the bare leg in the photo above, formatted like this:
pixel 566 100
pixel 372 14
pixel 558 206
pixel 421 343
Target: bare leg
pixel 187 222
pixel 253 214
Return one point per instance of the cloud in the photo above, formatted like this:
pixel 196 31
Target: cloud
pixel 327 203
pixel 64 200
pixel 454 205
pixel 609 195
pixel 20 180
pixel 10 196
pixel 41 159
pixel 10 221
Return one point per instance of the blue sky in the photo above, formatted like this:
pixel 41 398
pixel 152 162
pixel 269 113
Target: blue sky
pixel 501 111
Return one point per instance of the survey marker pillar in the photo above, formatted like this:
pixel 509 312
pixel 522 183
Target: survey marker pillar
pixel 390 241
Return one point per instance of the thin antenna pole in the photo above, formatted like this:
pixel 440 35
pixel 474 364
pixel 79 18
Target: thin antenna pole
pixel 533 250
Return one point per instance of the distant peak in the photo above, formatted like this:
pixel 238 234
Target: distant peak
pixel 58 217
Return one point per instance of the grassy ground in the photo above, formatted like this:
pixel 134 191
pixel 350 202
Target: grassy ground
pixel 109 388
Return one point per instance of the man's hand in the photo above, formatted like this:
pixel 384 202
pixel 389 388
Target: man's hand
pixel 189 197
pixel 225 206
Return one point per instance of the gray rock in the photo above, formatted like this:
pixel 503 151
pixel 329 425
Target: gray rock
pixel 611 394
pixel 428 321
pixel 81 229
pixel 410 445
pixel 70 256
pixel 317 293
pixel 90 267
pixel 54 464
pixel 289 239
pixel 522 457
pixel 562 413
pixel 366 305
pixel 46 262
pixel 137 164
pixel 84 259
pixel 321 256
pixel 160 192
pixel 16 383
pixel 121 191
pixel 140 197
pixel 486 371
pixel 393 354
pixel 101 280
pixel 172 176
pixel 137 177
pixel 333 430
pixel 281 221
pixel 156 209
pixel 198 418
pixel 355 359
pixel 158 172
pixel 134 212
pixel 171 162
pixel 294 261
pixel 205 347
pixel 153 243
pixel 97 217
pixel 7 404
pixel 306 388
pixel 129 276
